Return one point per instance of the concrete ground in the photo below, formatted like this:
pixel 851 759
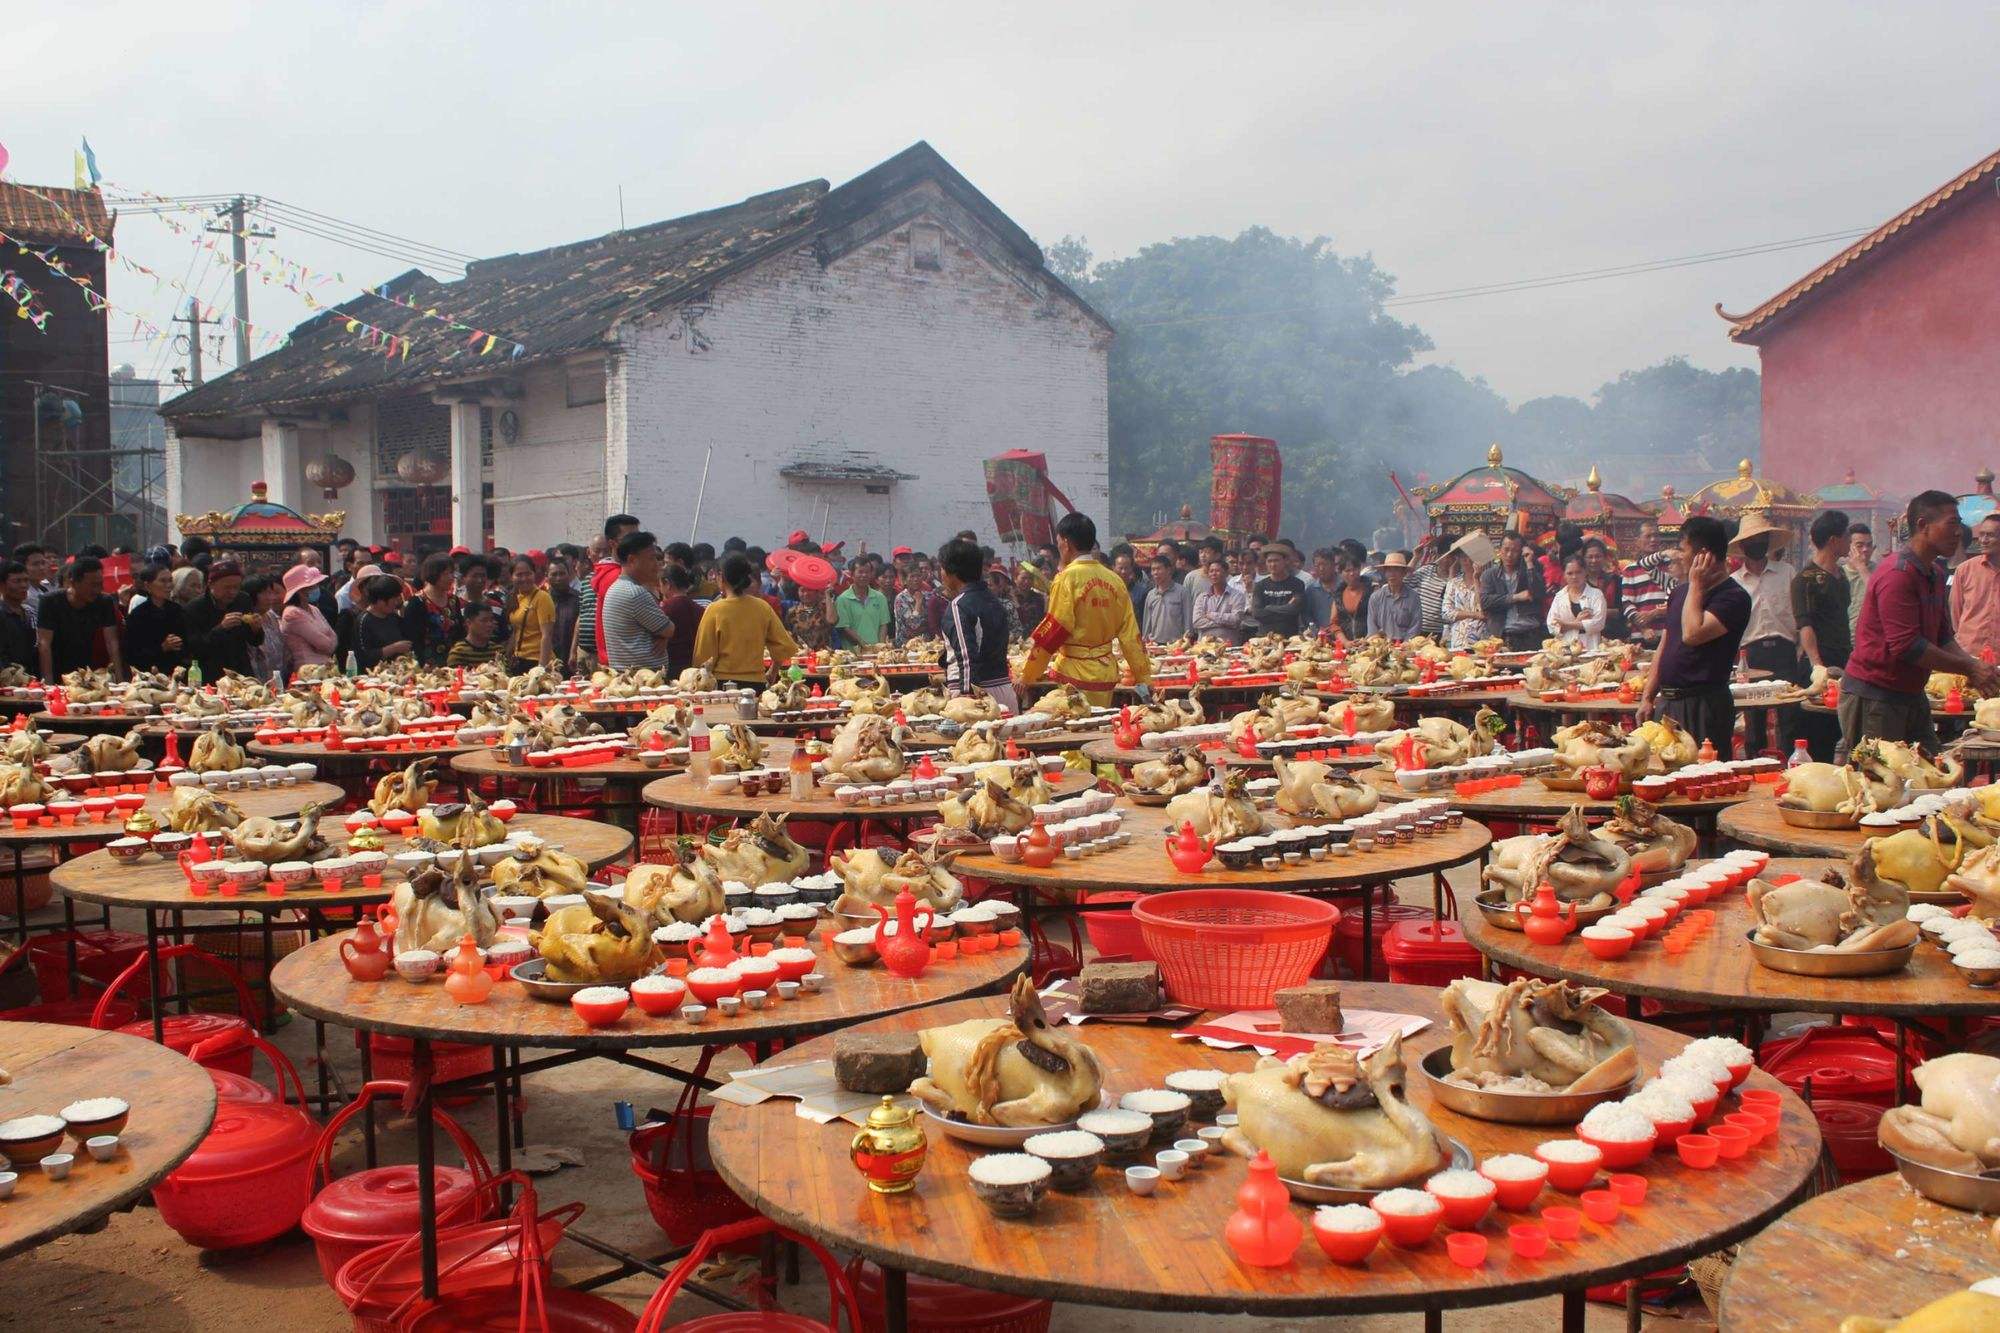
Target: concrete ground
pixel 137 1274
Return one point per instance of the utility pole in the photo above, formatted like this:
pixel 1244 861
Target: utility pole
pixel 239 235
pixel 194 321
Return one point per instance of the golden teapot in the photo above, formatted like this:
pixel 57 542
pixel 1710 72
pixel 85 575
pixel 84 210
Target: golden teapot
pixel 890 1149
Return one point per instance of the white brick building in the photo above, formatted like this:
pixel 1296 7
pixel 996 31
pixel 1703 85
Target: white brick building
pixel 843 359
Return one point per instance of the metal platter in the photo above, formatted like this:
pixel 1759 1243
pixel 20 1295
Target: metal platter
pixel 1806 963
pixel 998 1136
pixel 1499 913
pixel 1510 1108
pixel 1953 1189
pixel 530 975
pixel 1461 1159
pixel 1817 819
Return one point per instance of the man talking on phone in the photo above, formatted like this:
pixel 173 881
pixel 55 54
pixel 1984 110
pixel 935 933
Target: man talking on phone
pixel 1706 617
pixel 221 624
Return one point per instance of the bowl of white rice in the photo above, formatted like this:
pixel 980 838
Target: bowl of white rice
pixel 1010 1184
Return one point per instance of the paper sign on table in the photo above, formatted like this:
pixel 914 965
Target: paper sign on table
pixel 1366 1030
pixel 821 1099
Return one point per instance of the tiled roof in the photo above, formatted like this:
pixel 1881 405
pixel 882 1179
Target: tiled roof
pixel 568 298
pixel 26 215
pixel 1743 326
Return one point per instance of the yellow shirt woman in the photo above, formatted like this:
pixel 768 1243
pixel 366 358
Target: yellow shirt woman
pixel 528 623
pixel 735 633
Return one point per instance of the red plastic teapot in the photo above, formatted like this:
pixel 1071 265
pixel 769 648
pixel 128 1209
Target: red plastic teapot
pixel 363 954
pixel 904 954
pixel 1188 850
pixel 1544 922
pixel 1126 735
pixel 715 949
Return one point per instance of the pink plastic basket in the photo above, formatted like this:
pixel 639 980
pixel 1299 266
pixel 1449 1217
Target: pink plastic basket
pixel 1231 948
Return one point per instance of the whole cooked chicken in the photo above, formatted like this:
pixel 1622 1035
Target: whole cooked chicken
pixel 1833 915
pixel 1911 764
pixel 690 890
pixel 20 785
pixel 26 746
pixel 756 853
pixel 1169 714
pixel 1181 769
pixel 966 709
pixel 695 680
pixel 1827 789
pixel 1582 865
pixel 1364 712
pixel 435 910
pixel 262 838
pixel 1956 1124
pixel 196 810
pixel 1000 799
pixel 465 823
pixel 873 880
pixel 407 789
pixel 867 748
pixel 1311 789
pixel 1656 844
pixel 1275 714
pixel 1673 746
pixel 1595 743
pixel 783 697
pixel 924 702
pixel 1065 703
pixel 214 751
pixel 598 940
pixel 1978 878
pixel 1921 858
pixel 1329 1118
pixel 979 745
pixel 736 749
pixel 103 754
pixel 1442 740
pixel 1008 1071
pixel 863 693
pixel 549 871
pixel 1536 1036
pixel 1221 810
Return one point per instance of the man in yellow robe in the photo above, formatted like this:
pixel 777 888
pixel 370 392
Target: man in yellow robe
pixel 1089 611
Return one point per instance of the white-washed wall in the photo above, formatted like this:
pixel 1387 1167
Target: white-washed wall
pixel 559 454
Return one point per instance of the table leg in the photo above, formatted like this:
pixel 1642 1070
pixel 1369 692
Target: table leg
pixel 153 974
pixel 1367 930
pixel 503 1135
pixel 1632 1306
pixel 420 1069
pixel 895 1301
pixel 1902 1058
pixel 69 926
pixel 1572 1317
pixel 268 923
pixel 1433 1321
pixel 368 1111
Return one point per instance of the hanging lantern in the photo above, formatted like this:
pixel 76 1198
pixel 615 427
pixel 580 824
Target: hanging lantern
pixel 421 469
pixel 330 472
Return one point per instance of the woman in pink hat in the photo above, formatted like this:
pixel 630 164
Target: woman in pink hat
pixel 308 638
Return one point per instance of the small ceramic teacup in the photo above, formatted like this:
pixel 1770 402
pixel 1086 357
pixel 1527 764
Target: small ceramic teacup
pixel 1173 1163
pixel 1142 1180
pixel 102 1147
pixel 416 965
pixel 56 1165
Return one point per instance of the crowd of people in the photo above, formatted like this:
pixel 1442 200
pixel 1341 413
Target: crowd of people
pixel 1714 601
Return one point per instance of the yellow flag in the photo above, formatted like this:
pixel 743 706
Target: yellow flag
pixel 489 345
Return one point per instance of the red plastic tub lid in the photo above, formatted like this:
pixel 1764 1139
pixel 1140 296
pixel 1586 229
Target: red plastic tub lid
pixel 380 1203
pixel 250 1137
pixel 236 1088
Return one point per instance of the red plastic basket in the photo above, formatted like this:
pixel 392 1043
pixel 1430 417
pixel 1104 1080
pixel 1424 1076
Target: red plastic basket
pixel 1231 948
pixel 945 1307
pixel 684 1192
pixel 1115 932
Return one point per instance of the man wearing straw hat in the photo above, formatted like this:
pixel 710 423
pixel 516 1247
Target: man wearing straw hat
pixel 1771 640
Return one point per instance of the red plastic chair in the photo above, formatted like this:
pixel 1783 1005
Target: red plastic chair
pixel 363 1210
pixel 841 1295
pixel 186 1032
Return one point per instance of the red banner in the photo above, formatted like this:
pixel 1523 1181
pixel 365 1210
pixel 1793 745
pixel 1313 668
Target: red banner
pixel 1019 489
pixel 1247 493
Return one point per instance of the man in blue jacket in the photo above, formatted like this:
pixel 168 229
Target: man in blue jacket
pixel 974 628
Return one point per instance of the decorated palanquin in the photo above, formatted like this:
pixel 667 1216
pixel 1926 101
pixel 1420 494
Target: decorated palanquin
pixel 1668 513
pixel 1246 494
pixel 1861 503
pixel 263 536
pixel 1491 499
pixel 1021 493
pixel 1744 494
pixel 1606 514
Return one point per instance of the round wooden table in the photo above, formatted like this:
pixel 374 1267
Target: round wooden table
pixel 1108 751
pixel 1948 724
pixel 610 789
pixel 1056 740
pixel 314 982
pixel 1876 1247
pixel 1567 711
pixel 355 770
pixel 172 1100
pixel 91 724
pixel 1757 823
pixel 1141 866
pixel 1104 1246
pixel 1534 802
pixel 160 891
pixel 683 795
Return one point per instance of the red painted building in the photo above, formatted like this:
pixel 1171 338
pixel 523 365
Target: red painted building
pixel 1884 362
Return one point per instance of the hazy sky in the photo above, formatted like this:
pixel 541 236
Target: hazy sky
pixel 1459 144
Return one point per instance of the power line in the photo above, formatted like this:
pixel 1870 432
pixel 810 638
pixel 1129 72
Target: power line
pixel 373 231
pixel 402 256
pixel 1536 284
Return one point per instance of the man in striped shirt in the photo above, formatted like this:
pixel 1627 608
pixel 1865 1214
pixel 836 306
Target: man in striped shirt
pixel 1645 585
pixel 974 629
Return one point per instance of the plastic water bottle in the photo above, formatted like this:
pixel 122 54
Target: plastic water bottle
pixel 194 675
pixel 698 748
pixel 1799 756
pixel 353 667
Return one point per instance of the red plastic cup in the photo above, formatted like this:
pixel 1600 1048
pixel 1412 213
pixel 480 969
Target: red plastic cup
pixel 1570 1177
pixel 1010 937
pixel 1730 1140
pixel 1466 1248
pixel 1770 1115
pixel 1562 1223
pixel 1517 1196
pixel 1750 1122
pixel 946 951
pixel 1761 1097
pixel 1348 1247
pixel 1530 1240
pixel 1697 1150
pixel 1600 1206
pixel 1629 1190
